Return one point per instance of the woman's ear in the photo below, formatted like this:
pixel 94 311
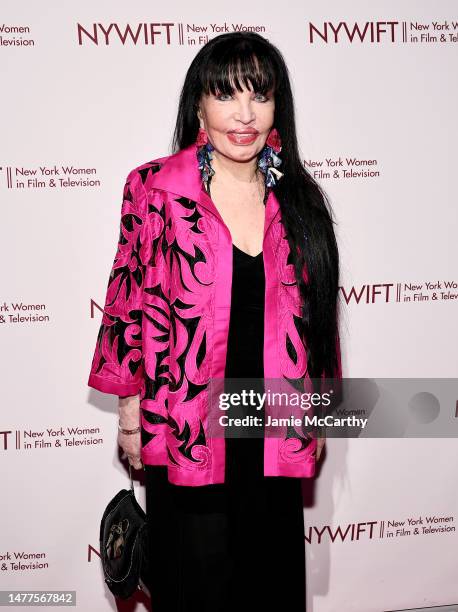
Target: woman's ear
pixel 199 116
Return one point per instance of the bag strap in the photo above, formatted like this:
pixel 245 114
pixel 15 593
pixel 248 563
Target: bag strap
pixel 131 481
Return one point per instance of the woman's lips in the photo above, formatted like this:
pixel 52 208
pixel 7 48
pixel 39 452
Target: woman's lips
pixel 245 138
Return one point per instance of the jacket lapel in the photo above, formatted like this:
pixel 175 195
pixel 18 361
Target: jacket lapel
pixel 180 174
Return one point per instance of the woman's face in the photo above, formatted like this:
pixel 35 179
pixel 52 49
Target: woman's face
pixel 237 125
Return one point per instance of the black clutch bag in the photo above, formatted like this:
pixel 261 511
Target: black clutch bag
pixel 124 545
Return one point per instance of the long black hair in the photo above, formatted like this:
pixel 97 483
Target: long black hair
pixel 237 58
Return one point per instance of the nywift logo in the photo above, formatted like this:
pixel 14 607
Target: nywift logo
pixel 408 292
pixel 382 32
pixel 353 32
pixel 161 34
pixel 49 438
pixel 141 34
pixel 434 524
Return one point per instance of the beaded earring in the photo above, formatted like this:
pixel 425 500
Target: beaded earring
pixel 204 156
pixel 269 161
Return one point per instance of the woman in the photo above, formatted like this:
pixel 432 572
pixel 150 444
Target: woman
pixel 227 267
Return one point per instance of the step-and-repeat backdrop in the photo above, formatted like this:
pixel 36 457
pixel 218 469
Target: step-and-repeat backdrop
pixel 89 91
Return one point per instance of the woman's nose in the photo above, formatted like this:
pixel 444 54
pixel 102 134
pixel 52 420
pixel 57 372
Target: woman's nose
pixel 245 112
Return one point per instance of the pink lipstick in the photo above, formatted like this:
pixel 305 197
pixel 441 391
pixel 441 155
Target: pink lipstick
pixel 243 137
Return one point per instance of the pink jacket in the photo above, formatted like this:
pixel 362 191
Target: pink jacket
pixel 166 317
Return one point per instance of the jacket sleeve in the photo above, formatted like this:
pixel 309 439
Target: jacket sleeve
pixel 117 363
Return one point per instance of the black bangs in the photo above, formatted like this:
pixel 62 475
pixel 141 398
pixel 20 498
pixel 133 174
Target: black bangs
pixel 230 68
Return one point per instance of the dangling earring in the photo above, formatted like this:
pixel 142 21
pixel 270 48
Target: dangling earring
pixel 204 156
pixel 269 160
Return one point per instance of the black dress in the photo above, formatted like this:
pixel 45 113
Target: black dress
pixel 238 545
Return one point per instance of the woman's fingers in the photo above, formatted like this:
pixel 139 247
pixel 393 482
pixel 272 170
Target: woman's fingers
pixel 136 464
pixel 134 460
pixel 131 445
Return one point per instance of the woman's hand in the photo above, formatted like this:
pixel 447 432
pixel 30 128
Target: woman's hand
pixel 129 418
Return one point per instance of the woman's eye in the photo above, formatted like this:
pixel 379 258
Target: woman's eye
pixel 261 98
pixel 223 97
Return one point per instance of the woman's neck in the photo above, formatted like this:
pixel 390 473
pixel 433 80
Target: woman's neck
pixel 243 172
